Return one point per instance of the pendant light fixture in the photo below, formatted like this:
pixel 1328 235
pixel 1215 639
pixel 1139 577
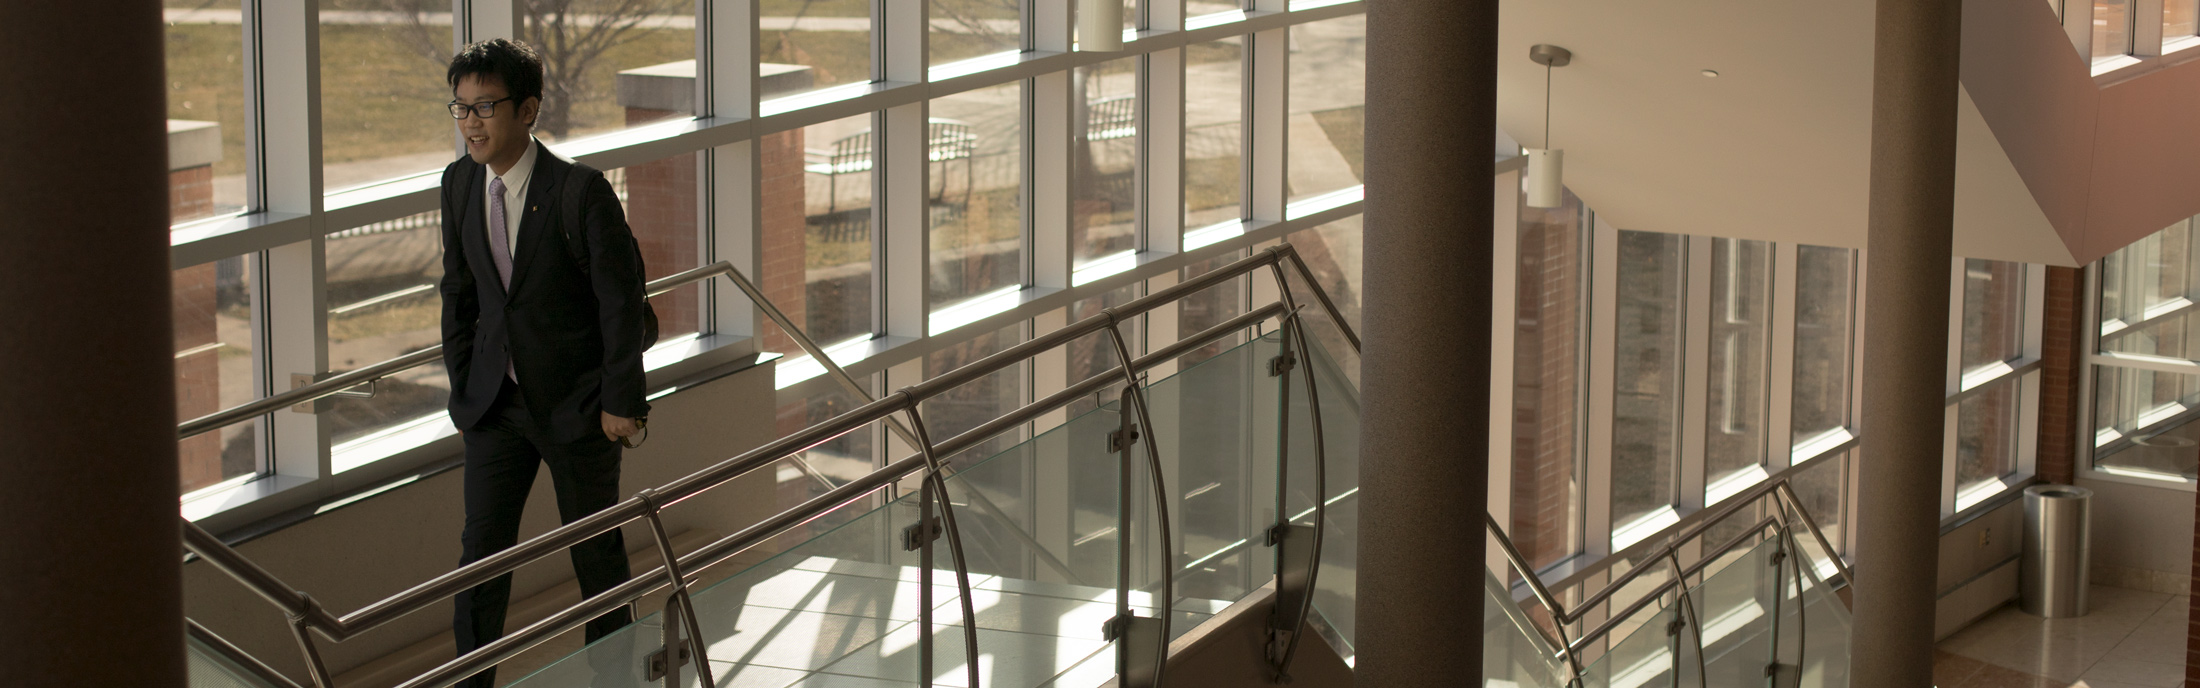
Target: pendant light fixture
pixel 1546 183
pixel 1099 26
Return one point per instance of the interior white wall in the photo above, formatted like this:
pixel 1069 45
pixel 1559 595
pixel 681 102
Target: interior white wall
pixel 2142 536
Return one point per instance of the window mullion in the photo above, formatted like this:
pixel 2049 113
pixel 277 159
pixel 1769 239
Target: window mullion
pixel 1779 436
pixel 1694 368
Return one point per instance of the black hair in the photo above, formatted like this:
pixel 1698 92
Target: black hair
pixel 512 62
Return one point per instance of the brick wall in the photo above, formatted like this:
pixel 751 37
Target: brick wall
pixel 2060 358
pixel 198 374
pixel 191 192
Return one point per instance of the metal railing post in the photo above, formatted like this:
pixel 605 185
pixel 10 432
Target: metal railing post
pixel 1294 332
pixel 1802 618
pixel 673 644
pixel 680 595
pixel 1779 563
pixel 315 668
pixel 937 483
pixel 1688 608
pixel 1135 396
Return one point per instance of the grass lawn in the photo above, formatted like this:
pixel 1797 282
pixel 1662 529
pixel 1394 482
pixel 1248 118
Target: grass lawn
pixel 1347 127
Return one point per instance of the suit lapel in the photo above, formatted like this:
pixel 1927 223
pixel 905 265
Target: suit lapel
pixel 542 185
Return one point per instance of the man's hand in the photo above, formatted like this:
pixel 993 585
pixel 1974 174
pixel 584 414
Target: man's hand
pixel 615 427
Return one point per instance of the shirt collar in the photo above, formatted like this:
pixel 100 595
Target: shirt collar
pixel 516 178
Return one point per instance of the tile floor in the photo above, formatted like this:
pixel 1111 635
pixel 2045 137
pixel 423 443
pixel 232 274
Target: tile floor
pixel 2128 639
pixel 827 623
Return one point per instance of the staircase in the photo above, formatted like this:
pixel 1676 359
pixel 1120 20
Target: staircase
pixel 1202 525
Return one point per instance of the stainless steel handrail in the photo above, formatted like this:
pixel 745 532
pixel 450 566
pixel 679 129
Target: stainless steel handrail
pixel 1666 547
pixel 1688 529
pixel 305 613
pixel 336 384
pixel 1542 595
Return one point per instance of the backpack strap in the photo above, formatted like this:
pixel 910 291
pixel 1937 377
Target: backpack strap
pixel 576 190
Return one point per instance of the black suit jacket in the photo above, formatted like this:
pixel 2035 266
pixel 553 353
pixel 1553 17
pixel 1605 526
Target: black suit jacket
pixel 573 337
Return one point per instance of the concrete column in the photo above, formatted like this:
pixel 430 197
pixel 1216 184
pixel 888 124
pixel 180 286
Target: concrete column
pixel 1431 105
pixel 90 584
pixel 1913 174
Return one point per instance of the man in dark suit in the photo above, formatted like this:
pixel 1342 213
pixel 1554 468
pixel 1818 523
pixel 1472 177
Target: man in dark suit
pixel 544 353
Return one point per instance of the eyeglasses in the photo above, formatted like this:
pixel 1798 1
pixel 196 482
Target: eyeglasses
pixel 485 109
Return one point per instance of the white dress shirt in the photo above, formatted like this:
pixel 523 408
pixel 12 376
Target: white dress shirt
pixel 515 199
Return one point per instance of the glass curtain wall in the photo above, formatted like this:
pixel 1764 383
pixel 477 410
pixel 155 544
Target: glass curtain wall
pixel 1740 368
pixel 976 219
pixel 208 138
pixel 1328 110
pixel 2144 393
pixel 1214 133
pixel 1989 425
pixel 2180 20
pixel 1647 369
pixel 2111 28
pixel 614 70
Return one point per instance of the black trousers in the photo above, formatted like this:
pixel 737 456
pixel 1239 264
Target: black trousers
pixel 501 456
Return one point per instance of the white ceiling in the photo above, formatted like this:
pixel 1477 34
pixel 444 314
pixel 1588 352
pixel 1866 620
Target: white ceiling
pixel 1776 147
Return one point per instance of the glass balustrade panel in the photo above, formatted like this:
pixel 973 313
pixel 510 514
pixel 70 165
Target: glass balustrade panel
pixel 1735 608
pixel 1514 652
pixel 203 668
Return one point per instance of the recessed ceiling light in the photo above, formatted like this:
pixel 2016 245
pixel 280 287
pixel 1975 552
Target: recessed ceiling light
pixel 1711 73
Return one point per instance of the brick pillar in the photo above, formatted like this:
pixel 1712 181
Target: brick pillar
pixel 1545 357
pixel 193 148
pixel 660 208
pixel 785 276
pixel 2059 393
pixel 198 373
pixel 661 200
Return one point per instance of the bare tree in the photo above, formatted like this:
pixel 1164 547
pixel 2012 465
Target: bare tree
pixel 972 16
pixel 571 35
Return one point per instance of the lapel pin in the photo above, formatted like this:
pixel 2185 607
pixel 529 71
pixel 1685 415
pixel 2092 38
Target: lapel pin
pixel 533 208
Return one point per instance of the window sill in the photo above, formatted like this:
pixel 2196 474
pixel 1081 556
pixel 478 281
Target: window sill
pixel 2115 70
pixel 2108 65
pixel 2010 489
pixel 1643 527
pixel 200 505
pixel 2134 476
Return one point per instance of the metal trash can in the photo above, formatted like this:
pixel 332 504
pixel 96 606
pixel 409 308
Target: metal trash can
pixel 2057 549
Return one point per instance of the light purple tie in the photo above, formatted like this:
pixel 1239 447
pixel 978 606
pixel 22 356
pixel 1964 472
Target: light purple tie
pixel 500 250
pixel 499 245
